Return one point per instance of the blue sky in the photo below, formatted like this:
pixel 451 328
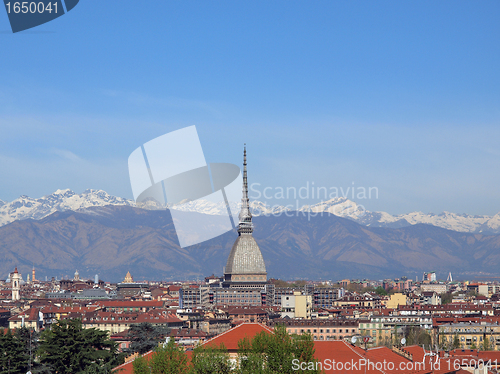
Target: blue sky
pixel 402 96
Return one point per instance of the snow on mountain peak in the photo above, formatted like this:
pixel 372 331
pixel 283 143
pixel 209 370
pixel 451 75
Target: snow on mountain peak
pixel 63 192
pixel 26 207
pixel 339 206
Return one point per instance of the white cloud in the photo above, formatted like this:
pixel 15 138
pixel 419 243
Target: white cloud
pixel 65 154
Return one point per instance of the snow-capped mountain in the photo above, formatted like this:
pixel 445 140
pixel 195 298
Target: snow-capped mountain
pixel 25 207
pixel 447 220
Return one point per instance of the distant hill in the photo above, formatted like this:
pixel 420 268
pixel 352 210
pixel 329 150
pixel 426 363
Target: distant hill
pixel 113 239
pixel 26 207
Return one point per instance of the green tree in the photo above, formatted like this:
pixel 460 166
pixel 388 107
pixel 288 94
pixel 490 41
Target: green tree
pixel 416 335
pixel 303 349
pixel 252 359
pixel 424 338
pixel 145 337
pixel 169 359
pixel 443 342
pixel 166 359
pixel 456 342
pixel 410 335
pixel 381 291
pixel 275 353
pixel 211 360
pixel 13 356
pixel 29 340
pixel 68 348
pixel 395 336
pixel 95 368
pixel 487 344
pixel 141 366
pixel 446 298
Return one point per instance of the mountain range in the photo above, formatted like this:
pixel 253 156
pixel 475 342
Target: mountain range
pixel 95 232
pixel 114 239
pixel 29 208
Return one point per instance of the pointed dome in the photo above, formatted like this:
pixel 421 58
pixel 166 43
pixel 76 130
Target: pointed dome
pixel 245 257
pixel 128 278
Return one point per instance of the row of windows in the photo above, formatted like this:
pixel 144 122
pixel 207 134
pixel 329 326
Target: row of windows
pixel 130 309
pixel 370 326
pixel 480 339
pixel 240 301
pixel 466 330
pixel 239 292
pixel 329 337
pixel 327 331
pixel 248 278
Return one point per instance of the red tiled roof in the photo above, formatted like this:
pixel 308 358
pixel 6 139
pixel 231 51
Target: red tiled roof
pixel 120 335
pixel 72 309
pixel 231 337
pixel 338 353
pixel 246 310
pixel 384 354
pixel 128 367
pixel 378 359
pixel 489 355
pixel 155 316
pixel 416 351
pixel 146 317
pixel 30 315
pixel 187 333
pixel 129 304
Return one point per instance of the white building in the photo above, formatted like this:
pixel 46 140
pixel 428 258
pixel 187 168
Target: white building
pixel 15 279
pixel 296 305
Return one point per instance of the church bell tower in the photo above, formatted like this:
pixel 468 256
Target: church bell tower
pixel 15 279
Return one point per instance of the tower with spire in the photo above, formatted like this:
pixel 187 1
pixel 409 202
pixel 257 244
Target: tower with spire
pixel 245 225
pixel 15 279
pixel 245 265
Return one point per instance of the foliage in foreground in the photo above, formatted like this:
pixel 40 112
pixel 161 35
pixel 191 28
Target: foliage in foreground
pixel 145 337
pixel 264 354
pixel 275 353
pixel 14 356
pixel 167 358
pixel 69 348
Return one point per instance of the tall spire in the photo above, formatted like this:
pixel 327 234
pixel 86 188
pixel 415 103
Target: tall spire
pixel 245 226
